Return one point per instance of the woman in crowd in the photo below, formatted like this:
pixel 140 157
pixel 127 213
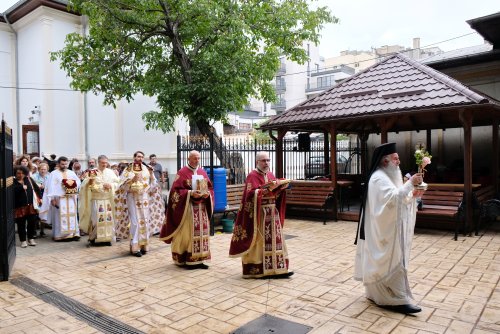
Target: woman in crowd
pixel 26 201
pixel 25 160
pixel 41 176
pixel 35 161
pixel 41 179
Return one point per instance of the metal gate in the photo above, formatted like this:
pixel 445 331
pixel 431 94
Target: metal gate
pixel 297 163
pixel 7 226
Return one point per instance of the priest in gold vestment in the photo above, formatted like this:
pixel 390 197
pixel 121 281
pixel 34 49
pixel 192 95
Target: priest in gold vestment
pixel 189 210
pixel 96 206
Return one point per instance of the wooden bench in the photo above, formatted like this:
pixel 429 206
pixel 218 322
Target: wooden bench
pixel 234 193
pixel 311 195
pixel 441 206
pixel 484 203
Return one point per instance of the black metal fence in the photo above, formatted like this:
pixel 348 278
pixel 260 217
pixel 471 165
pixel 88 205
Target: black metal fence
pixel 298 164
pixel 7 226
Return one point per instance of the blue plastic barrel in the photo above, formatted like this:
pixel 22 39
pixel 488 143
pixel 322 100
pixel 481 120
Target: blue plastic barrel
pixel 220 190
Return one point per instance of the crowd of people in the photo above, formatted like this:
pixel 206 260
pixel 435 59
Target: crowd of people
pixel 98 201
pixel 110 205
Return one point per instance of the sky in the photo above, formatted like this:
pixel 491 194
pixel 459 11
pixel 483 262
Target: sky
pixel 373 23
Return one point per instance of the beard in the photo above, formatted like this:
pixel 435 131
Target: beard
pixel 264 169
pixel 394 173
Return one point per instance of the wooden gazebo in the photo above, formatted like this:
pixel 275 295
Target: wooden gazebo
pixel 397 94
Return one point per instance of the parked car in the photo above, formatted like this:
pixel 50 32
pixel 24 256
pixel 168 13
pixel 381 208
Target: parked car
pixel 316 166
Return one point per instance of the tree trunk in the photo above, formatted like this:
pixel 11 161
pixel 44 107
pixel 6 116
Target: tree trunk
pixel 231 161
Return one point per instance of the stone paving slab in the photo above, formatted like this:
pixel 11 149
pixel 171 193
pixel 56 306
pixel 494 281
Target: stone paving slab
pixel 455 282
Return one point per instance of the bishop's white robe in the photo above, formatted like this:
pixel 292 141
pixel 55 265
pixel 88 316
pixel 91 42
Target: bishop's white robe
pixel 382 258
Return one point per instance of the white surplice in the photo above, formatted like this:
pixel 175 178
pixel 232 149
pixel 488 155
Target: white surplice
pixel 382 258
pixel 64 220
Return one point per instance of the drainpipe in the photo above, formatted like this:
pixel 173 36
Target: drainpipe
pixel 85 101
pixel 18 116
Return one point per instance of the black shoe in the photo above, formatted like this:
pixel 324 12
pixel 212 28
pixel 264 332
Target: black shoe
pixel 278 276
pixel 42 234
pixel 138 254
pixel 404 309
pixel 285 275
pixel 196 266
pixel 76 238
pixel 143 251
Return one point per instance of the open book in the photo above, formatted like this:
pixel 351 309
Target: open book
pixel 272 185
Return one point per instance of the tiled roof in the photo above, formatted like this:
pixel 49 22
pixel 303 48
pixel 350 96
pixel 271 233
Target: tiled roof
pixel 489 27
pixel 393 86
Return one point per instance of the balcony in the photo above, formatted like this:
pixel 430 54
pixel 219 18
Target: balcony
pixel 280 87
pixel 314 86
pixel 282 69
pixel 332 69
pixel 279 106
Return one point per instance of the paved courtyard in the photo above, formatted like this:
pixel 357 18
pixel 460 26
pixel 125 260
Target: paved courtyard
pixel 455 282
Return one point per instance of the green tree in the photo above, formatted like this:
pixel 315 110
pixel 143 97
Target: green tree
pixel 198 58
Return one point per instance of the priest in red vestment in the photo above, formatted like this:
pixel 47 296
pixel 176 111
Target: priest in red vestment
pixel 190 206
pixel 258 231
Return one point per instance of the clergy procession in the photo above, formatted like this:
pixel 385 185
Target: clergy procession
pixel 127 204
pixel 106 204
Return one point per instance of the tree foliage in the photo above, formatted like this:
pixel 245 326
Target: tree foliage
pixel 198 58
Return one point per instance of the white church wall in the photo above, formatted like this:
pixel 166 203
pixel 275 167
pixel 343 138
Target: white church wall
pixel 71 123
pixel 7 76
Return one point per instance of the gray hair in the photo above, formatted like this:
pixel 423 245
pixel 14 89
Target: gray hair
pixel 260 155
pixel 193 152
pixel 101 157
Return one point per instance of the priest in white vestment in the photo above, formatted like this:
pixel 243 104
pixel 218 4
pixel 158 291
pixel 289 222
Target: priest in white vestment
pixel 59 204
pixel 385 232
pixel 97 206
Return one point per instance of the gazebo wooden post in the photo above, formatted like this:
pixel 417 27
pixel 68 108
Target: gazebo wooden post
pixel 429 140
pixel 333 153
pixel 363 137
pixel 383 137
pixel 326 149
pixel 333 165
pixel 279 151
pixel 466 120
pixel 494 162
pixel 385 125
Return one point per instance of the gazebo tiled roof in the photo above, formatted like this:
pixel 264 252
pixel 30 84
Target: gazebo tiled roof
pixel 397 86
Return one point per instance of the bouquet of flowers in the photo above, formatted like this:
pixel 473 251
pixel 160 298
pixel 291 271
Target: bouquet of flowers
pixel 422 158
